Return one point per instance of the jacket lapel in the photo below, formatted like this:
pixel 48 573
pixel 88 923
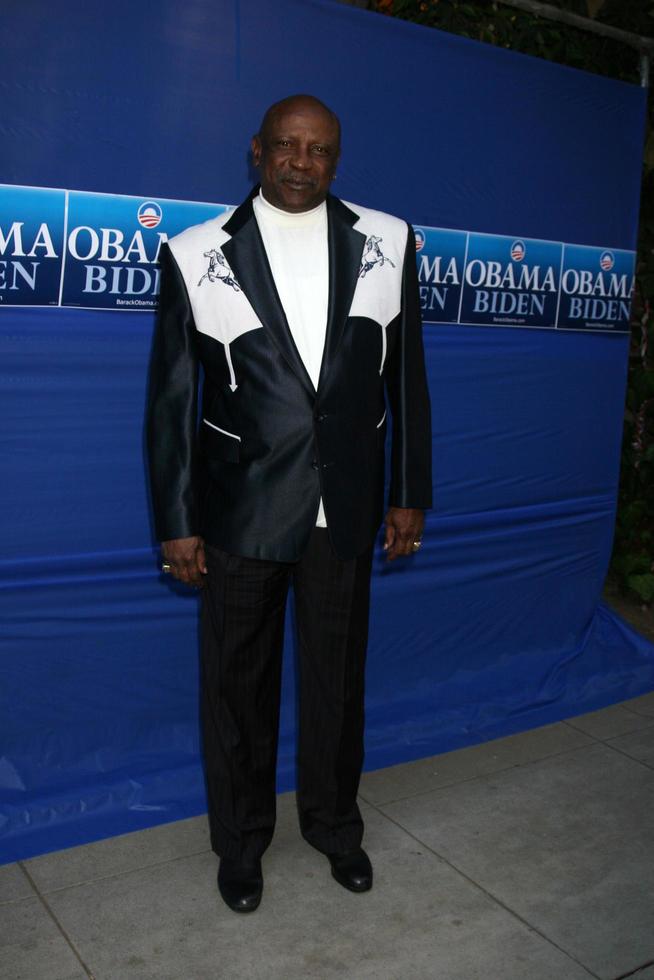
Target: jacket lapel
pixel 247 257
pixel 345 251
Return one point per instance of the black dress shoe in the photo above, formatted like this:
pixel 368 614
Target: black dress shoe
pixel 240 884
pixel 352 870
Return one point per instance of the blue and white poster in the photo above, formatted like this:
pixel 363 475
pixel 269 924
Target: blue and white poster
pixel 31 245
pixel 596 288
pixel 76 248
pixel 511 281
pixel 101 251
pixel 440 255
pixel 113 247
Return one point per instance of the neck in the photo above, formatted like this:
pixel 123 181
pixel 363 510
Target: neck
pixel 290 214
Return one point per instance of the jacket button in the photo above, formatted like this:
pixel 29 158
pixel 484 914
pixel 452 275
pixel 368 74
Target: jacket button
pixel 314 464
pixel 321 417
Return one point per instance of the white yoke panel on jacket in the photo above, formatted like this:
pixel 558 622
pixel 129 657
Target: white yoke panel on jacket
pixel 222 311
pixel 378 295
pixel 220 308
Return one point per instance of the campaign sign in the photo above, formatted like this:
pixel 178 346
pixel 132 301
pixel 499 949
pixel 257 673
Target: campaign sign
pixel 596 288
pixel 113 244
pixel 440 254
pixel 31 245
pixel 510 281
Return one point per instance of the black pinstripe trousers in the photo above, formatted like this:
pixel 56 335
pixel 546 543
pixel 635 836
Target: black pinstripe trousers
pixel 243 610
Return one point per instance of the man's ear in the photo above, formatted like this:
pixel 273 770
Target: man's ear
pixel 255 146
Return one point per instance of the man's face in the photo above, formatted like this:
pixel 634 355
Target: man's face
pixel 296 154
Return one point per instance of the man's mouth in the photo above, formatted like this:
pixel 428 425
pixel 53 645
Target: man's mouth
pixel 297 185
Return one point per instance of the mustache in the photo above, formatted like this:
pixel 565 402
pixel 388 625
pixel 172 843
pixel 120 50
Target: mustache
pixel 294 179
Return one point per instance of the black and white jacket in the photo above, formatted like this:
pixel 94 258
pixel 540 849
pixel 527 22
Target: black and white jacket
pixel 249 473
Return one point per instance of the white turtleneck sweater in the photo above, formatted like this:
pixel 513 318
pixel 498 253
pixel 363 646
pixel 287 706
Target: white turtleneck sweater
pixel 298 253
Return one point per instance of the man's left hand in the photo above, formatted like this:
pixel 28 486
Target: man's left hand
pixel 404 526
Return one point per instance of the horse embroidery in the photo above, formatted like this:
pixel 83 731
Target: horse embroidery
pixel 218 270
pixel 372 256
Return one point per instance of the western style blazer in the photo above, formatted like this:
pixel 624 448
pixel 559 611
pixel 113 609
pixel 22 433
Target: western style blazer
pixel 248 473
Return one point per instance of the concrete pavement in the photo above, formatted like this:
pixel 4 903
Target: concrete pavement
pixel 527 858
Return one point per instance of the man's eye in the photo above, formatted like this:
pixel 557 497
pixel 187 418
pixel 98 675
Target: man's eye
pixel 321 149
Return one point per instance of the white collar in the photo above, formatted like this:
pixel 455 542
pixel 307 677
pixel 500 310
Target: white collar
pixel 266 210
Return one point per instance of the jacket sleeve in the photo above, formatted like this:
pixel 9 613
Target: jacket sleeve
pixel 408 396
pixel 172 408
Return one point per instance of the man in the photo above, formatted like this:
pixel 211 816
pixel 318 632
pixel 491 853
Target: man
pixel 300 309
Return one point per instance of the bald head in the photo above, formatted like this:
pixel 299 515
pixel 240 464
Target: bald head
pixel 296 151
pixel 299 102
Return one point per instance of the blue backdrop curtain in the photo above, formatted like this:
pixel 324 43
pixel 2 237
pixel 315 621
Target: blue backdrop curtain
pixel 497 625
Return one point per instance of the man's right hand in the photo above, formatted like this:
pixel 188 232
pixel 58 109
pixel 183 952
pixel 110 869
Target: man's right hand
pixel 186 559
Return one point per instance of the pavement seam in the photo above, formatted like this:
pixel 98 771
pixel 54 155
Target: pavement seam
pixel 607 741
pixel 634 973
pixel 121 874
pixel 481 775
pixel 598 738
pixel 493 898
pixel 636 711
pixel 615 748
pixel 16 901
pixel 60 928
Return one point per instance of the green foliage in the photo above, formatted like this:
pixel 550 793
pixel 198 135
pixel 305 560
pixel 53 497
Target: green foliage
pixel 496 23
pixel 633 551
pixel 499 24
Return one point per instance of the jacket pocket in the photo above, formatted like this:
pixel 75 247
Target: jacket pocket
pixel 217 443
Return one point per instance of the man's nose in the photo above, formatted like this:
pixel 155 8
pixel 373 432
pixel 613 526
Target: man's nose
pixel 301 158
